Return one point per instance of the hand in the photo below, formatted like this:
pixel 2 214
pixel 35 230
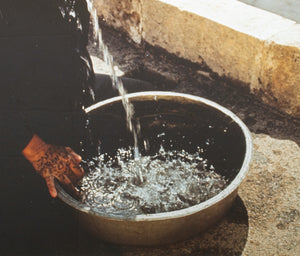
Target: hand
pixel 52 162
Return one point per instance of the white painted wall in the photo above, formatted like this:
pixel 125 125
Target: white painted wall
pixel 287 8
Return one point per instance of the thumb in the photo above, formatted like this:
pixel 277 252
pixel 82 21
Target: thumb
pixel 77 158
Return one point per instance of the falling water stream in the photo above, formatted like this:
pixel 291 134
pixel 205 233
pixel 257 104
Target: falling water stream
pixel 130 183
pixel 132 124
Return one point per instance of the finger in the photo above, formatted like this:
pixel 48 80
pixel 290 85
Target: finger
pixel 67 182
pixel 76 158
pixel 72 176
pixel 51 186
pixel 76 169
pixel 74 155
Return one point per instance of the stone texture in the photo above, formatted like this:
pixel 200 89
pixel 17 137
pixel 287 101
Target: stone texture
pixel 198 38
pixel 279 75
pixel 244 43
pixel 125 14
pixel 271 195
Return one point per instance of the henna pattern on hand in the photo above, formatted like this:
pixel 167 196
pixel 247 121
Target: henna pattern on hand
pixel 53 162
pixel 58 163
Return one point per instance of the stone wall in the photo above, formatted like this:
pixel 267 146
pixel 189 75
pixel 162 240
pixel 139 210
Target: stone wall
pixel 241 42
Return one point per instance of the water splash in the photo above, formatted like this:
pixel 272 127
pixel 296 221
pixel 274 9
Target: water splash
pixel 117 83
pixel 173 180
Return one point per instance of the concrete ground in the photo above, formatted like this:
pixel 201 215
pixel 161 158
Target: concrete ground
pixel 265 218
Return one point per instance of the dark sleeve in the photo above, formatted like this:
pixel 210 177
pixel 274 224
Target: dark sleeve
pixel 15 134
pixel 40 47
pixel 80 6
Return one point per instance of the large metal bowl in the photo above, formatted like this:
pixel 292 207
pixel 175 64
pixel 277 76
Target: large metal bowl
pixel 178 116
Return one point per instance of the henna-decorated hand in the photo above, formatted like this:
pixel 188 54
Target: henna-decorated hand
pixel 52 162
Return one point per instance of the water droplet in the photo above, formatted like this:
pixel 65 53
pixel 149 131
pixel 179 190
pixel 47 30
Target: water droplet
pixel 160 135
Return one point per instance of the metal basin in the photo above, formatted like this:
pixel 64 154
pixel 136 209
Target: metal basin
pixel 188 121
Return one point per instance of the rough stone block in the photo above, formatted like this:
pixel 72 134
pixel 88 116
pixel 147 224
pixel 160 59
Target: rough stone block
pixel 280 71
pixel 235 40
pixel 198 38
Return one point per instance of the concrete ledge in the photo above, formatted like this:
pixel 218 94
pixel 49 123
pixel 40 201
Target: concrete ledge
pixel 235 40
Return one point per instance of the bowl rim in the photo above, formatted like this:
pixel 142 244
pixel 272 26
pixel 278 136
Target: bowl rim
pixel 233 186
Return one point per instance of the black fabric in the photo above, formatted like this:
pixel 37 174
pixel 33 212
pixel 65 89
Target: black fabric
pixel 46 73
pixel 44 67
